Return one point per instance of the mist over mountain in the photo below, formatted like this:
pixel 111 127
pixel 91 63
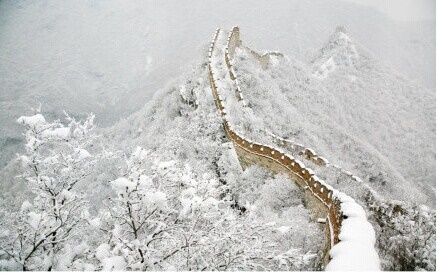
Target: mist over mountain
pixel 307 142
pixel 94 56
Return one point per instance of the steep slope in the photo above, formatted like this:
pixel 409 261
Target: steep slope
pixel 258 220
pixel 351 109
pixel 102 57
pixel 391 115
pixel 187 154
pixel 184 136
pixel 405 231
pixel 339 51
pixel 349 234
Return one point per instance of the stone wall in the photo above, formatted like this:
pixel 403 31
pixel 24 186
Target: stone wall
pixel 321 199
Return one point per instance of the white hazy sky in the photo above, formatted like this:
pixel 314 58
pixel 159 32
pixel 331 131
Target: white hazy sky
pixel 403 10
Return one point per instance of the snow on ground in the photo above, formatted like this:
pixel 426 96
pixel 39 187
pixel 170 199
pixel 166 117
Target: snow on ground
pixel 241 118
pixel 189 165
pixel 109 57
pixel 380 126
pixel 191 139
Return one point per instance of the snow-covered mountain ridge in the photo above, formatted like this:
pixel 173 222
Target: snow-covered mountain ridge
pixel 338 51
pixel 231 218
pixel 174 113
pixel 351 109
pixel 339 40
pixel 193 175
pixel 188 142
pixel 344 217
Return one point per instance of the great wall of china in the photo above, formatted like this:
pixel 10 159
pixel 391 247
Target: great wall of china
pixel 347 230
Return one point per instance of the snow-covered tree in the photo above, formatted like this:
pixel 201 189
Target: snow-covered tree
pixel 134 219
pixel 166 217
pixel 216 235
pixel 406 235
pixel 56 160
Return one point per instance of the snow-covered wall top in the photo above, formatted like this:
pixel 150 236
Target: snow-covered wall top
pixel 351 236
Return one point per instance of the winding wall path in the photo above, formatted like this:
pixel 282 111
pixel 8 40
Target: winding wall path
pixel 350 237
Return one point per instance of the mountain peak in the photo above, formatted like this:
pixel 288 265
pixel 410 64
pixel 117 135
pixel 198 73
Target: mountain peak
pixel 339 51
pixel 341 29
pixel 340 37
